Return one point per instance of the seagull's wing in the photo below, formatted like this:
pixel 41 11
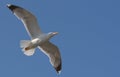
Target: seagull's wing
pixel 53 53
pixel 28 19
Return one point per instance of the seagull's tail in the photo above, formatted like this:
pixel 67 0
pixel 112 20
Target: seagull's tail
pixel 24 44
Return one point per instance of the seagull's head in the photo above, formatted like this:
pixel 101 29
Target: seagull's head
pixel 51 34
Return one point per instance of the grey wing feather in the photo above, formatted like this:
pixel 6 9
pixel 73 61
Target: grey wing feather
pixel 28 19
pixel 53 53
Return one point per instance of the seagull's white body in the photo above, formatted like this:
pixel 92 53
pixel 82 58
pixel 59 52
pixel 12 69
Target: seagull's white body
pixel 38 38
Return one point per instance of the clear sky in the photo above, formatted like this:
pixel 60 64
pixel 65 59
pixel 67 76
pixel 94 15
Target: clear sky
pixel 88 39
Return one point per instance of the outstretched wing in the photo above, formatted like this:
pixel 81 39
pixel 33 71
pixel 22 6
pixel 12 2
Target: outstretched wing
pixel 28 19
pixel 53 53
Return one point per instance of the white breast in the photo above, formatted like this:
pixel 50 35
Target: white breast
pixel 35 41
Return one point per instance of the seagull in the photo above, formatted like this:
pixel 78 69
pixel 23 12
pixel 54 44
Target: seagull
pixel 38 38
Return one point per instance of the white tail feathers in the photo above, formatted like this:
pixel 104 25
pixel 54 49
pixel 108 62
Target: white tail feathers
pixel 29 52
pixel 24 44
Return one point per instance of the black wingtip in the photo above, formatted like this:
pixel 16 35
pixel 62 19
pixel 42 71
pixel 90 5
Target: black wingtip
pixel 58 69
pixel 12 7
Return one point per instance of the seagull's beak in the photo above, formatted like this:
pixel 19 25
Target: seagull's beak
pixel 55 33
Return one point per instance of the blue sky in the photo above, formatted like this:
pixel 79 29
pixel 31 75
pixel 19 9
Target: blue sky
pixel 89 33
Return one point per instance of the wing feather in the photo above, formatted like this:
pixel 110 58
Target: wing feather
pixel 53 53
pixel 28 19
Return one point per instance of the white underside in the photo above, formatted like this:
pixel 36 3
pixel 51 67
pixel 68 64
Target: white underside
pixel 24 44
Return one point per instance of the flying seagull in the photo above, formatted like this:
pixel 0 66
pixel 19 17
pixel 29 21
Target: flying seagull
pixel 38 38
